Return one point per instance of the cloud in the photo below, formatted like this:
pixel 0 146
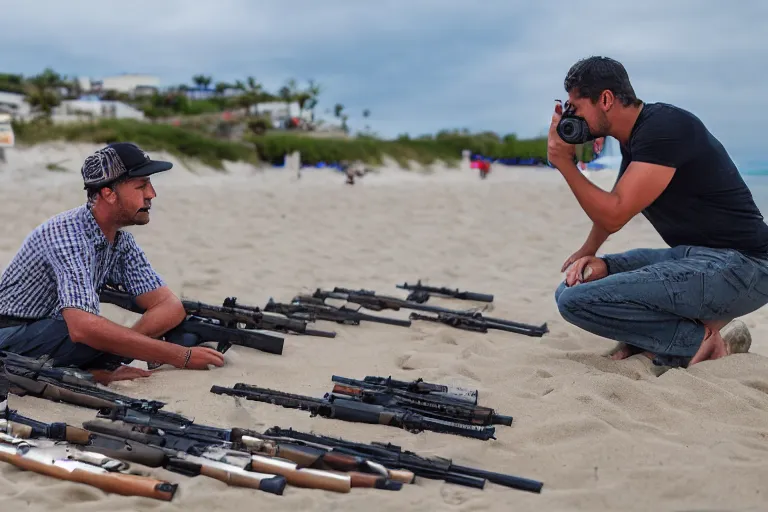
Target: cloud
pixel 419 66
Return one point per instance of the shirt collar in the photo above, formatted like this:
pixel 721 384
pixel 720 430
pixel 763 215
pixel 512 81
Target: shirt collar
pixel 94 233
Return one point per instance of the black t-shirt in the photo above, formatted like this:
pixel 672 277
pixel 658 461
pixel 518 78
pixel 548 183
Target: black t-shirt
pixel 707 202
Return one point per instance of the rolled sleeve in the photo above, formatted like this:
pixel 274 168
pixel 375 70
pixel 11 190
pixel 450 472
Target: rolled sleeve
pixel 71 260
pixel 135 272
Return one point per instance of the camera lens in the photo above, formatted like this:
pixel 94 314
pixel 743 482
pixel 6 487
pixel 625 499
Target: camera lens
pixel 573 130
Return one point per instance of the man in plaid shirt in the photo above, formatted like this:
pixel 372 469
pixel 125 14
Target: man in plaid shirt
pixel 49 294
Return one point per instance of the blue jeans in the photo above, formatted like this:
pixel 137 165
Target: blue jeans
pixel 656 300
pixel 49 338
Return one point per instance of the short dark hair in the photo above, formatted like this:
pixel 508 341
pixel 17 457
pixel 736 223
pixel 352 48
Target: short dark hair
pixel 93 192
pixel 593 75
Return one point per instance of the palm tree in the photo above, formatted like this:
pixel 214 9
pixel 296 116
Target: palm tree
pixel 251 93
pixel 199 81
pixel 338 111
pixel 313 91
pixel 366 115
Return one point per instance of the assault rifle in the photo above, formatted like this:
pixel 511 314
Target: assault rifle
pixel 478 324
pixel 417 386
pixel 392 456
pixel 370 300
pixel 61 461
pixel 431 406
pixel 420 293
pixel 128 445
pixel 303 307
pixel 206 442
pixel 65 384
pixel 345 408
pixel 205 323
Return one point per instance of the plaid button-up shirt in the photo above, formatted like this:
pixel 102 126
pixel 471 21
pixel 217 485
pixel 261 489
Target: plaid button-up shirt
pixel 65 262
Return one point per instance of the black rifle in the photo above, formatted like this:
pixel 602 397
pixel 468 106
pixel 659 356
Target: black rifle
pixel 309 307
pixel 478 324
pixel 66 384
pixel 207 325
pixel 463 396
pixel 429 406
pixel 178 425
pixel 197 440
pixel 393 457
pixel 346 409
pixel 419 386
pixel 255 318
pixel 370 300
pixel 420 293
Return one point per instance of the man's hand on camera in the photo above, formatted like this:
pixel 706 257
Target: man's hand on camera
pixel 559 152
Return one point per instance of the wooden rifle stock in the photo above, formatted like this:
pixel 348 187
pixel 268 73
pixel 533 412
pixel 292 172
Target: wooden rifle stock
pixel 227 473
pixel 116 483
pixel 58 394
pixel 72 434
pixel 319 458
pixel 311 478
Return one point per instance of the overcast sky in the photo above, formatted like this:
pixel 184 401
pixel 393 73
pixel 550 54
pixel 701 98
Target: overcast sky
pixel 419 65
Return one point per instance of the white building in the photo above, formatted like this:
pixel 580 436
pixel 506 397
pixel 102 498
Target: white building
pixel 14 104
pixel 84 109
pixel 133 84
pixel 280 112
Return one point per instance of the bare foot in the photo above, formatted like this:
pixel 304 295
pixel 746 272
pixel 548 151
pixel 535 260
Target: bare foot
pixel 623 351
pixel 712 347
pixel 735 339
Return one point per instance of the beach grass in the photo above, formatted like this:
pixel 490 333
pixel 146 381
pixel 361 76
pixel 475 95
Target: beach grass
pixel 272 147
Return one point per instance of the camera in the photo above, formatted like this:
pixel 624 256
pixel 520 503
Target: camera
pixel 572 128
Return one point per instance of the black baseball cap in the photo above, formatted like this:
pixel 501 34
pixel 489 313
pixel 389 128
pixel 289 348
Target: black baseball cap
pixel 117 160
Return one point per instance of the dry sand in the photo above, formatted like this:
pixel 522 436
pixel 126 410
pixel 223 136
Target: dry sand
pixel 601 435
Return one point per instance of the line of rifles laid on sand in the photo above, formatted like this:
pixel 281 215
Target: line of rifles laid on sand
pixel 238 324
pixel 137 431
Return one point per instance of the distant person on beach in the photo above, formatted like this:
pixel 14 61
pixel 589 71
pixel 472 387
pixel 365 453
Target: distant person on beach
pixel 49 294
pixel 669 304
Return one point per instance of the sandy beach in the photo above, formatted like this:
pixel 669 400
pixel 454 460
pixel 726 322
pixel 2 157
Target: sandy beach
pixel 601 435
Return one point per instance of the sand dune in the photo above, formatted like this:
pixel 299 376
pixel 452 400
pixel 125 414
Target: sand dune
pixel 601 435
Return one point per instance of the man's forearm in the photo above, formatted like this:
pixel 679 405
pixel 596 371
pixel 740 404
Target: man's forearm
pixel 597 237
pixel 106 336
pixel 599 205
pixel 157 321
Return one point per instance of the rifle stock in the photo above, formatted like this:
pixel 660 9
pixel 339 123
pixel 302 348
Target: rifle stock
pixel 56 393
pixel 27 428
pixel 74 471
pixel 311 478
pixel 325 458
pixel 227 473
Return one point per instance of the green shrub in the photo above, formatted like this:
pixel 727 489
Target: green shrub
pixel 196 142
pixel 151 137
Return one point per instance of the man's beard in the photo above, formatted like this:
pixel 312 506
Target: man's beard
pixel 602 129
pixel 134 218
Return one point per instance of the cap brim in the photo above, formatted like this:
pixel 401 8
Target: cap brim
pixel 152 167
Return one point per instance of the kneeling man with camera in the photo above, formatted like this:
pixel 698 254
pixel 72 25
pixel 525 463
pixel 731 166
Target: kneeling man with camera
pixel 672 303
